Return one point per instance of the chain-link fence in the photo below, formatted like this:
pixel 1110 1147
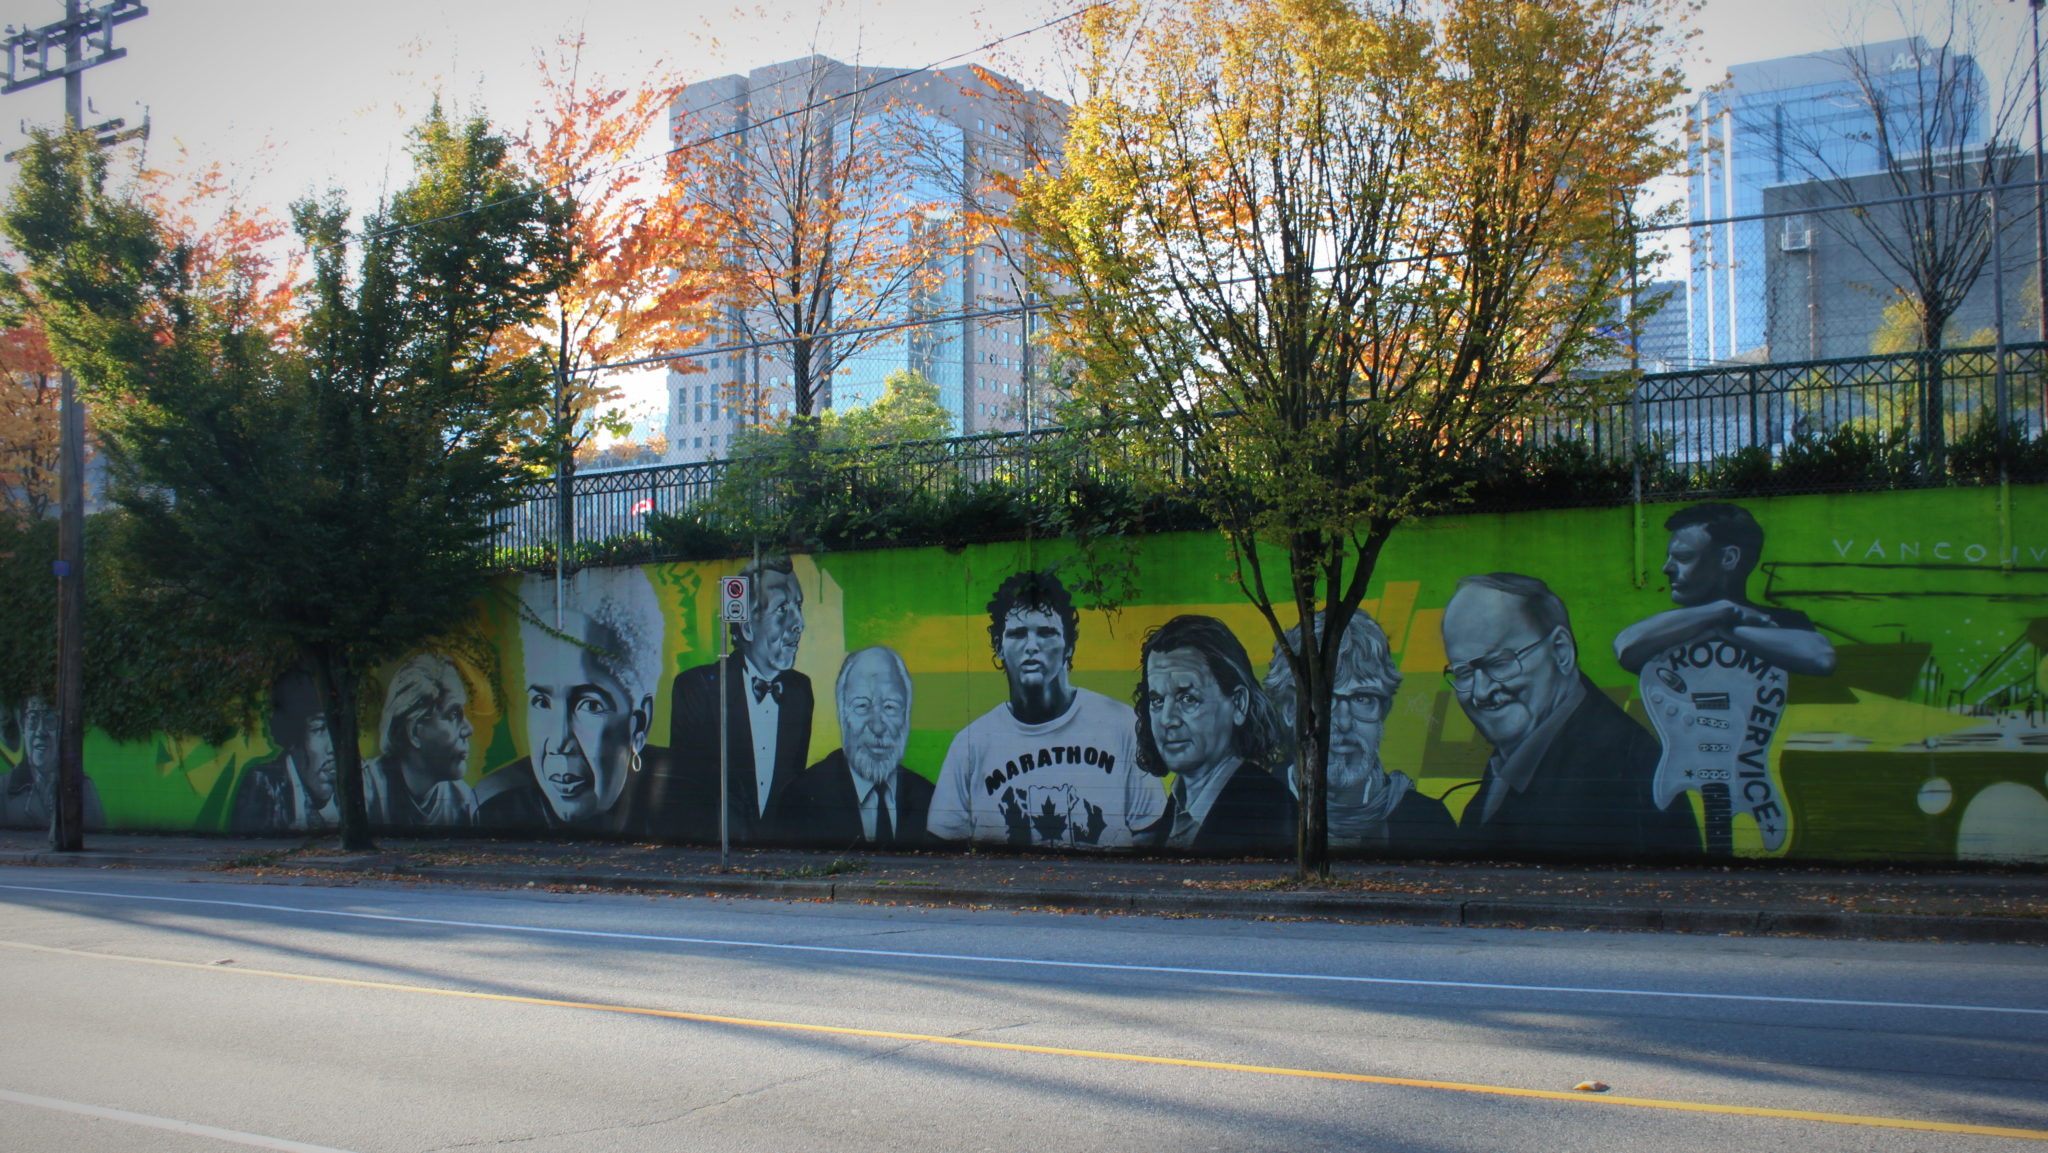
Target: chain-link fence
pixel 1845 267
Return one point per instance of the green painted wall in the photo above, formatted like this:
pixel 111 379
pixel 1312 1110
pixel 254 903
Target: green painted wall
pixel 1927 740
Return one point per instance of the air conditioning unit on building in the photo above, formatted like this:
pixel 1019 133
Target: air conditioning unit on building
pixel 1795 239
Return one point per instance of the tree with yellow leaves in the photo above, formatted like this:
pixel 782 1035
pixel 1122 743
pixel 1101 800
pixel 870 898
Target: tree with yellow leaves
pixel 1328 250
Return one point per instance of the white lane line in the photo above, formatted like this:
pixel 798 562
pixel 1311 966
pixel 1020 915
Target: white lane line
pixel 1106 966
pixel 168 1124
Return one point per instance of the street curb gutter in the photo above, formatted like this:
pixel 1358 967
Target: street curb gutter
pixel 1447 911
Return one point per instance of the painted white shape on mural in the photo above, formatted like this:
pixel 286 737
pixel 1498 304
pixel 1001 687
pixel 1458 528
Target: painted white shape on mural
pixel 2005 822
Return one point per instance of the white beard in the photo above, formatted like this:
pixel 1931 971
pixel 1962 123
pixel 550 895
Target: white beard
pixel 874 771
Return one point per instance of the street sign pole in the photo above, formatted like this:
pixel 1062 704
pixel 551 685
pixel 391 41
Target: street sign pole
pixel 732 611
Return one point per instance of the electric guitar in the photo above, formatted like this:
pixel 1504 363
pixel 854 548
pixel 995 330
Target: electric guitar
pixel 1716 706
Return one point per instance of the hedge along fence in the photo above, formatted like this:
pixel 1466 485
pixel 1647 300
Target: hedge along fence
pixel 1736 431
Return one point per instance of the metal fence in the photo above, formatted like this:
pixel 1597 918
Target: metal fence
pixel 1677 434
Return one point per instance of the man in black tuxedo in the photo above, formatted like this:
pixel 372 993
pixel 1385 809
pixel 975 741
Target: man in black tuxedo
pixel 768 708
pixel 861 794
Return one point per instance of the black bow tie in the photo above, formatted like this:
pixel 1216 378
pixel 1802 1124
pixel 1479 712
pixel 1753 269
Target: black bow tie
pixel 763 689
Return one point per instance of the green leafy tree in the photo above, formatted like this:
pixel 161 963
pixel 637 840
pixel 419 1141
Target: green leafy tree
pixel 328 490
pixel 1322 253
pixel 908 410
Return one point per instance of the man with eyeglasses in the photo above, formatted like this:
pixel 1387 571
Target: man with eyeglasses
pixel 1371 807
pixel 1570 773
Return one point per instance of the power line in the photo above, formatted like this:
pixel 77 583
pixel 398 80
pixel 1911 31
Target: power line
pixel 729 133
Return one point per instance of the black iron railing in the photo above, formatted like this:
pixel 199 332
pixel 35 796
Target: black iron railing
pixel 1677 434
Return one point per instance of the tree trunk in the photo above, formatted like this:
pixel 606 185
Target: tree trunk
pixel 1312 766
pixel 1934 405
pixel 336 686
pixel 1312 703
pixel 565 462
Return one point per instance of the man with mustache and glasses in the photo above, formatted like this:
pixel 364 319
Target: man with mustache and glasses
pixel 295 792
pixel 589 693
pixel 1054 766
pixel 861 794
pixel 1570 772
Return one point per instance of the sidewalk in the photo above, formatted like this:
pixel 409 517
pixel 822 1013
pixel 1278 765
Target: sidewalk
pixel 1985 905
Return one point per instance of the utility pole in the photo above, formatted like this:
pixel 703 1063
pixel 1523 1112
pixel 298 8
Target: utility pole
pixel 86 38
pixel 2040 193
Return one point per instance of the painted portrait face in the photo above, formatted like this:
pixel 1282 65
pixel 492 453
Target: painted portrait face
pixel 1695 566
pixel 316 761
pixel 778 625
pixel 874 716
pixel 1504 669
pixel 39 736
pixel 1357 718
pixel 1035 649
pixel 1194 722
pixel 441 735
pixel 583 727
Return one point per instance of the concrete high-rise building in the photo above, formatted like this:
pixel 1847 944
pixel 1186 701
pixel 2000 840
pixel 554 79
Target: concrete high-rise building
pixel 1790 121
pixel 968 125
pixel 1829 283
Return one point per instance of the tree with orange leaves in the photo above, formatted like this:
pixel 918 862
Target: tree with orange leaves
pixel 28 423
pixel 239 251
pixel 632 282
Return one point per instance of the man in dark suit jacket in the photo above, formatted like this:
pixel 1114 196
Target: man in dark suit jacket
pixel 861 794
pixel 1204 717
pixel 767 705
pixel 1571 773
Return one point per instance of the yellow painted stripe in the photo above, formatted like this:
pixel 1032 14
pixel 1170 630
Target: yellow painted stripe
pixel 1578 1098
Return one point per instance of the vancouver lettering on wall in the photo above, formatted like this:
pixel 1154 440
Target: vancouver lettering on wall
pixel 1852 693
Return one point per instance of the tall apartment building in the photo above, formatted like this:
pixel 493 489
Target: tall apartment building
pixel 1786 121
pixel 985 369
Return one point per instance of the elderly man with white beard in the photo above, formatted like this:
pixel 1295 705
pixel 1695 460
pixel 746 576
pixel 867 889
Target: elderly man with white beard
pixel 1372 809
pixel 861 794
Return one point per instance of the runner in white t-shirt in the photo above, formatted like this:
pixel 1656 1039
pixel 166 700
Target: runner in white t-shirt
pixel 1054 766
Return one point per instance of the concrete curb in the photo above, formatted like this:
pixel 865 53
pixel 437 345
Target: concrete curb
pixel 1397 909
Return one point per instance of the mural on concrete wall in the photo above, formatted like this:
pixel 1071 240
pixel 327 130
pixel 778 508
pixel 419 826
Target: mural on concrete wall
pixel 1864 679
pixel 1055 765
pixel 28 792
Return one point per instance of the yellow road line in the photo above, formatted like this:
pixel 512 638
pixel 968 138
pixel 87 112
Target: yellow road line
pixel 1578 1098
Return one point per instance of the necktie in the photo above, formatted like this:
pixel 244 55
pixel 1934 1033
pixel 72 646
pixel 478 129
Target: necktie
pixel 884 832
pixel 763 689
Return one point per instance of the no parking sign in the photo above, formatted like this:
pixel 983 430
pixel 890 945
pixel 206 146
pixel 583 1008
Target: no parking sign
pixel 735 589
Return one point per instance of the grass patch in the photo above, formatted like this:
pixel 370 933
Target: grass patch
pixel 835 867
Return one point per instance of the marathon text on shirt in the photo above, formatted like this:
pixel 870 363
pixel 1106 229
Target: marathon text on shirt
pixel 1051 755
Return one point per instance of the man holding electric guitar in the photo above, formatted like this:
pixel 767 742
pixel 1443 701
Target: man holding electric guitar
pixel 1714 673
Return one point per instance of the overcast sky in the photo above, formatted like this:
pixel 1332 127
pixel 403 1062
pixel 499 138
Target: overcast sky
pixel 296 96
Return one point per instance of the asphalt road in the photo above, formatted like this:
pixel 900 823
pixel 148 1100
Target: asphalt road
pixel 172 1012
